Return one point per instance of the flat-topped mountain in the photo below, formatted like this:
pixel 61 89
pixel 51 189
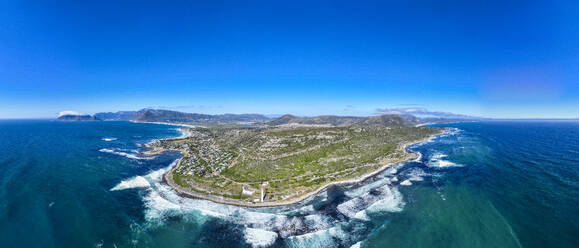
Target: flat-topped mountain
pixel 159 115
pixel 77 118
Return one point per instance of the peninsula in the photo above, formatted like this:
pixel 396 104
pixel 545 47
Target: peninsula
pixel 288 159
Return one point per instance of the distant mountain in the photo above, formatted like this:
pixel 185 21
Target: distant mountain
pixel 317 120
pixel 77 118
pixel 387 120
pixel 120 115
pixel 383 120
pixel 170 116
pixel 412 119
pixel 420 115
pixel 159 115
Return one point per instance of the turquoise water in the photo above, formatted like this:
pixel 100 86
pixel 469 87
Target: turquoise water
pixel 493 184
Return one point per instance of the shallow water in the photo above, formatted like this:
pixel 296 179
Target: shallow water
pixel 496 184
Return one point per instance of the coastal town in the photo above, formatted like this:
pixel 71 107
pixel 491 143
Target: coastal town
pixel 268 165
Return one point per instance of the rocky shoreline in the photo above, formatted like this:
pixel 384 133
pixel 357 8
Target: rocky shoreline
pixel 168 179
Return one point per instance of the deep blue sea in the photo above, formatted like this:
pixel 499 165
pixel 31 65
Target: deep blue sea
pixel 488 184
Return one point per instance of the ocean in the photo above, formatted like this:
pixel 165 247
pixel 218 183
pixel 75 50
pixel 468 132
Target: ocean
pixel 482 184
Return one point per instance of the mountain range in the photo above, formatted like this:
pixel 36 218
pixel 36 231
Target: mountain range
pixel 170 116
pixel 159 115
pixel 72 117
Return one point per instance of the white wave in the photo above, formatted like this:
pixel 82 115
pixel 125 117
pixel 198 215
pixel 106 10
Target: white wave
pixel 384 199
pixel 124 154
pixel 391 202
pixel 406 182
pixel 450 132
pixel 380 181
pixel 306 209
pixel 438 161
pixel 109 139
pixel 417 159
pixel 322 238
pixel 416 179
pixel 331 237
pixel 453 131
pixel 387 200
pixel 291 226
pixel 142 181
pixel 416 175
pixel 317 221
pixel 299 226
pixel 444 163
pixel 356 192
pixel 135 182
pixel 357 245
pixel 351 207
pixel 438 155
pixel 361 215
pixel 259 238
pixel 161 203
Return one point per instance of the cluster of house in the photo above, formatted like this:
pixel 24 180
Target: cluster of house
pixel 203 158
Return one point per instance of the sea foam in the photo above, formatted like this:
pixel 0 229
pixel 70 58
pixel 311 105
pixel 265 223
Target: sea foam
pixel 406 182
pixel 259 238
pixel 124 154
pixel 297 225
pixel 135 182
pixel 438 160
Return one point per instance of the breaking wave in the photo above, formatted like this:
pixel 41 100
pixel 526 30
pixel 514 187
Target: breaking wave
pixel 438 161
pixel 341 216
pixel 124 154
pixel 259 238
pixel 135 182
pixel 317 222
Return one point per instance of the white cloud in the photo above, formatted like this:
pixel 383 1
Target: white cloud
pixel 423 113
pixel 68 112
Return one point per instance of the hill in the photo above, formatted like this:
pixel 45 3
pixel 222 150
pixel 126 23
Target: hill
pixel 159 115
pixel 337 121
pixel 77 118
pixel 273 165
pixel 331 120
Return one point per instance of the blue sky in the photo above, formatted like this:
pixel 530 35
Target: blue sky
pixel 505 59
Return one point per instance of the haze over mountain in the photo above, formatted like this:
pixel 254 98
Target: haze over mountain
pixel 386 117
pixel 332 120
pixel 77 118
pixel 159 115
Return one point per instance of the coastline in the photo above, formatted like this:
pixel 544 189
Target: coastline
pixel 167 123
pixel 168 178
pixel 185 133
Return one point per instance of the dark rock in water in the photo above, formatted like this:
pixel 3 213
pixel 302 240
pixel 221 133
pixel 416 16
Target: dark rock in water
pixel 77 118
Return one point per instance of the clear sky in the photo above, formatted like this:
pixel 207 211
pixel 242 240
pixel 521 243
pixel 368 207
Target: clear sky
pixel 514 59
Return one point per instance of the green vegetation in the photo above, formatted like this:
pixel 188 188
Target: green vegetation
pixel 237 162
